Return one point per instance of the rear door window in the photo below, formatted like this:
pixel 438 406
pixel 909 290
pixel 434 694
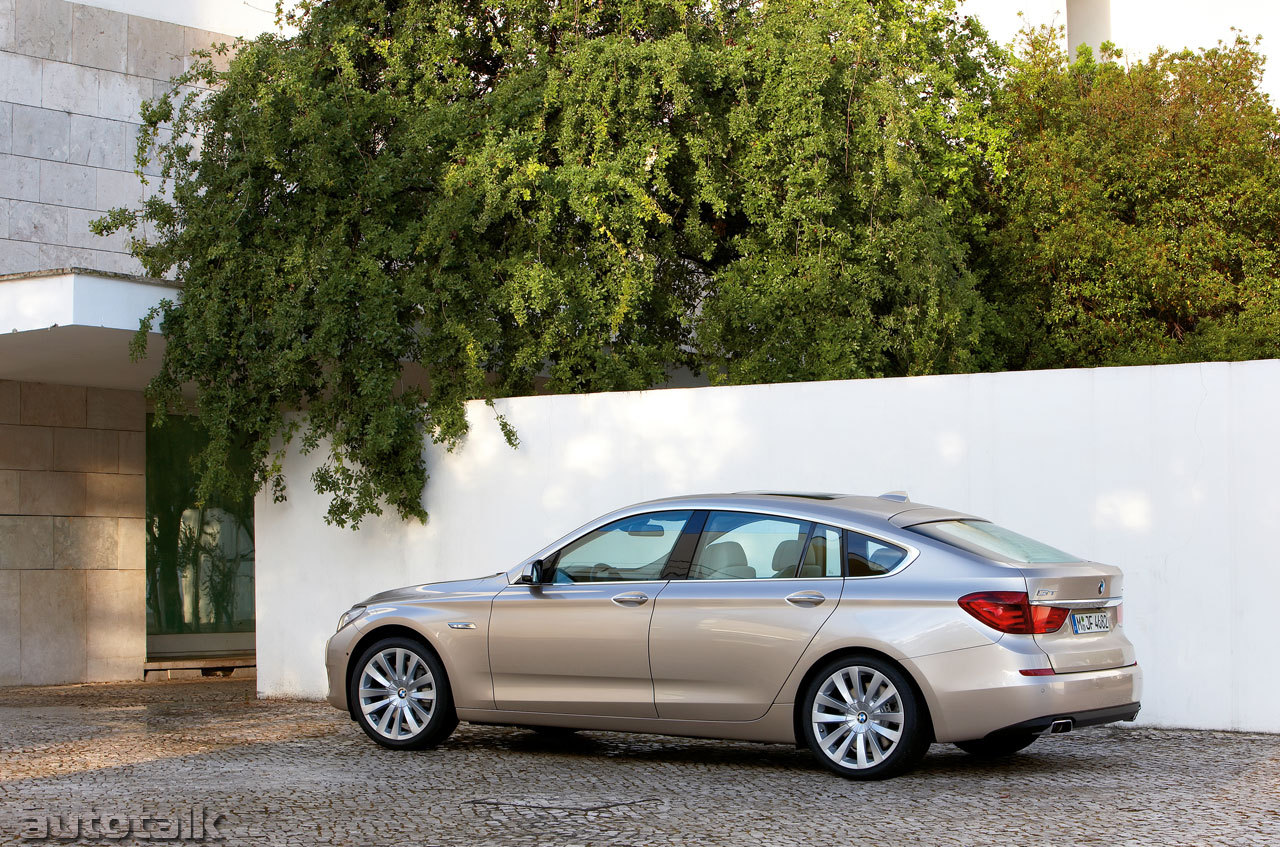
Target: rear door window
pixel 739 545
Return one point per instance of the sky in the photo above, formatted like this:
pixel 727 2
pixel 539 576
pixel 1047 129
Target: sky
pixel 1139 26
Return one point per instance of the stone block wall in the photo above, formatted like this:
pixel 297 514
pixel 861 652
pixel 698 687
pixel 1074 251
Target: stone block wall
pixel 71 80
pixel 72 547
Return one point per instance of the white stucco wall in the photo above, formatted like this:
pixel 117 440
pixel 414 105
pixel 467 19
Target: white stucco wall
pixel 1171 472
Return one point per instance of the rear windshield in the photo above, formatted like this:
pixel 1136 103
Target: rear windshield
pixel 992 541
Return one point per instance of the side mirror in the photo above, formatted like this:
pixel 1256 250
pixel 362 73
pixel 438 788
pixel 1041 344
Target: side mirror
pixel 532 574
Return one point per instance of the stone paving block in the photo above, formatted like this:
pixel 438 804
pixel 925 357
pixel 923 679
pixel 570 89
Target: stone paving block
pixel 20 79
pixel 8 492
pixel 10 401
pixel 43 28
pixel 41 133
pixel 26 542
pixel 53 608
pixel 115 625
pixel 118 188
pixel 98 37
pixel 45 404
pixel 133 452
pixel 131 554
pixel 6 128
pixel 4 218
pixel 90 450
pixel 79 234
pixel 86 543
pixel 115 495
pixel 155 48
pixel 114 409
pixel 19 256
pixel 39 222
pixel 69 88
pixel 65 184
pixel 26 448
pixel 10 622
pixel 19 177
pixel 102 143
pixel 51 493
pixel 120 95
pixel 8 25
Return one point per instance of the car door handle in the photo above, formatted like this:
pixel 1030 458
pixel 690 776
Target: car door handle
pixel 631 598
pixel 806 598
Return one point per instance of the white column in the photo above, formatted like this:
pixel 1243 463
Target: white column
pixel 1088 22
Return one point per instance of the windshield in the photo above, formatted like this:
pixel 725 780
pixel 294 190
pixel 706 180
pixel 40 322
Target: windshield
pixel 994 542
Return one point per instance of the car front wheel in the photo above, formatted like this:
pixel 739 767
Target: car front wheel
pixel 862 718
pixel 401 695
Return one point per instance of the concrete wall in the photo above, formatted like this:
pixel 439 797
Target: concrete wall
pixel 72 549
pixel 71 80
pixel 1171 472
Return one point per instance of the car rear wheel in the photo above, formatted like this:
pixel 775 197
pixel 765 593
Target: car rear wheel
pixel 862 718
pixel 401 695
pixel 998 746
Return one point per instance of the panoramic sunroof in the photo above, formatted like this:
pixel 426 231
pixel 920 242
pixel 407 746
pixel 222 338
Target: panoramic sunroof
pixel 805 495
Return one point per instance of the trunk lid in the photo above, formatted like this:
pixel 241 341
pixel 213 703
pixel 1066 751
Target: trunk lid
pixel 1093 593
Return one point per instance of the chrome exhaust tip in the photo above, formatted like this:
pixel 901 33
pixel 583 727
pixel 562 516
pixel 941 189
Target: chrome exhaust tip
pixel 1064 725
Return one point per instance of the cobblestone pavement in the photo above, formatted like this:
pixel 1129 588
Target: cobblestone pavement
pixel 291 772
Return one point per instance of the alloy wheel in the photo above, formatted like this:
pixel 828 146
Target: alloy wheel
pixel 857 717
pixel 397 693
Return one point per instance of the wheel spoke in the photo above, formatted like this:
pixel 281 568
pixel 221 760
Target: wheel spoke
pixel 425 714
pixel 877 755
pixel 891 734
pixel 877 680
pixel 835 735
pixel 839 754
pixel 370 708
pixel 831 703
pixel 381 659
pixel 843 687
pixel 377 676
pixel 386 720
pixel 862 750
pixel 414 726
pixel 373 692
pixel 823 717
pixel 892 717
pixel 889 693
pixel 395 729
pixel 858 690
pixel 425 679
pixel 423 695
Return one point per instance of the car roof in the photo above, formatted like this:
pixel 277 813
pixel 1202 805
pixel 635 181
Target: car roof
pixel 893 508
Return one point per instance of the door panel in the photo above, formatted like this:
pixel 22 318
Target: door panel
pixel 721 649
pixel 571 649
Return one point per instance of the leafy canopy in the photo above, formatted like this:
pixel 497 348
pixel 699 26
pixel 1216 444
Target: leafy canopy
pixel 1141 213
pixel 413 203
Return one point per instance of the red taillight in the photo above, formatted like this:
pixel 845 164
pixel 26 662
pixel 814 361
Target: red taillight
pixel 1012 612
pixel 1037 671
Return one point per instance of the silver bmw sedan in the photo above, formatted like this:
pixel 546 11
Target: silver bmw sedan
pixel 865 628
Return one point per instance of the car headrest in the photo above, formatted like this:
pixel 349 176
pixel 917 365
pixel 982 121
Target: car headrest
pixel 786 556
pixel 724 555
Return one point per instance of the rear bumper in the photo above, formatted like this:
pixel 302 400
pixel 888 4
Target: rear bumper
pixel 975 692
pixel 1089 717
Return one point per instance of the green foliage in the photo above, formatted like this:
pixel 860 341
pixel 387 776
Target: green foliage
pixel 413 203
pixel 1142 209
pixel 841 149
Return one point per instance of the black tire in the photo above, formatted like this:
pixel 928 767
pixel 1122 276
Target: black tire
pixel 913 736
pixel 998 746
pixel 441 718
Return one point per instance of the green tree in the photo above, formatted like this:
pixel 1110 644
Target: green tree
pixel 413 203
pixel 1141 217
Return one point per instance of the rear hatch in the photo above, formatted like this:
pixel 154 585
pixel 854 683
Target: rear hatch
pixel 1091 636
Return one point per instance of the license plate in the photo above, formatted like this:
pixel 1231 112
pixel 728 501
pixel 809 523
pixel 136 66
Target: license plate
pixel 1086 622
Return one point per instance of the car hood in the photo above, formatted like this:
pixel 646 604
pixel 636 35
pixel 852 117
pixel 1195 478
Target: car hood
pixel 425 593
